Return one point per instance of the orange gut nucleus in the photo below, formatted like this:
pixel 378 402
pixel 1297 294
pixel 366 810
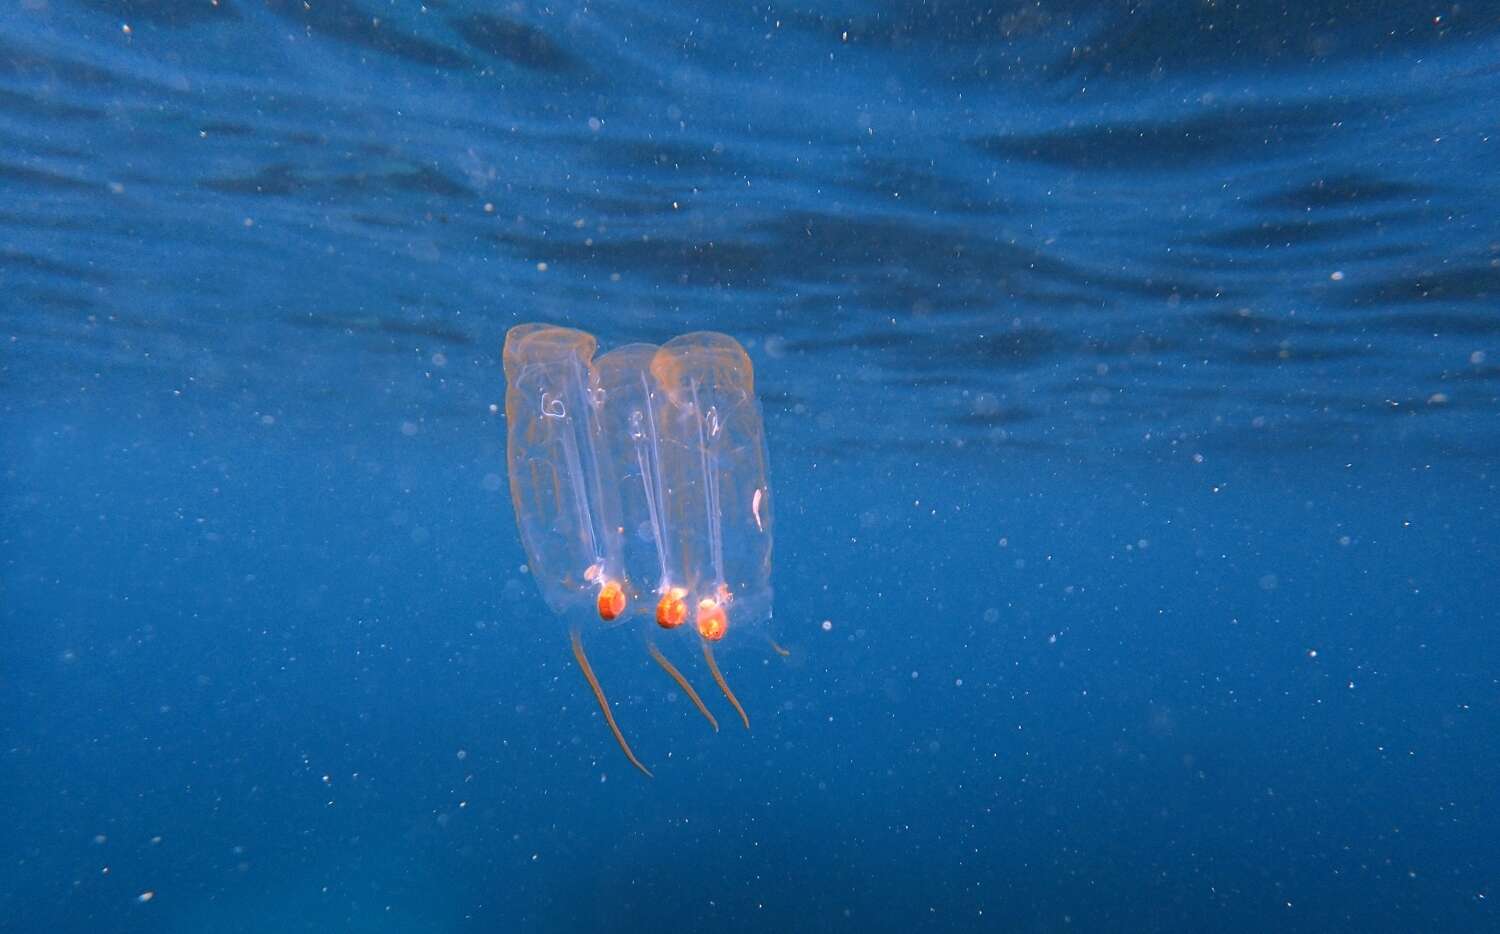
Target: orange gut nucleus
pixel 712 622
pixel 611 601
pixel 671 612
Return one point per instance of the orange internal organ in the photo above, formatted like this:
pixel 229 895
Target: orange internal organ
pixel 712 623
pixel 671 612
pixel 611 600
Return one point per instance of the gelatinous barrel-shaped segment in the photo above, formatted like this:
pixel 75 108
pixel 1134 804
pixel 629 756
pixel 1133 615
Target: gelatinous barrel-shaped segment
pixel 629 411
pixel 714 470
pixel 566 507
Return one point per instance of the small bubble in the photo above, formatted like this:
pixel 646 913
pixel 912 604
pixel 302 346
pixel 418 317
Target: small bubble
pixel 828 625
pixel 463 754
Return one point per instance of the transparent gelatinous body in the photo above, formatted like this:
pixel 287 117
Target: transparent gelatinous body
pixel 630 405
pixel 561 484
pixel 645 467
pixel 713 464
pixel 641 490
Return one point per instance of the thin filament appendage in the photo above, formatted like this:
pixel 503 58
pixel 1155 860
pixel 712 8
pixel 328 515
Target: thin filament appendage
pixel 588 672
pixel 713 666
pixel 682 682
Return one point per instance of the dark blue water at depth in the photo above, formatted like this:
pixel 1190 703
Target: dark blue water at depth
pixel 1131 378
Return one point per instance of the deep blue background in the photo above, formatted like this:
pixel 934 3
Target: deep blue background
pixel 1132 385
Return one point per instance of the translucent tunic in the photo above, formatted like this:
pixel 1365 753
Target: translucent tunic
pixel 645 468
pixel 566 508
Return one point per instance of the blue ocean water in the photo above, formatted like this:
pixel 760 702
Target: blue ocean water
pixel 1131 377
